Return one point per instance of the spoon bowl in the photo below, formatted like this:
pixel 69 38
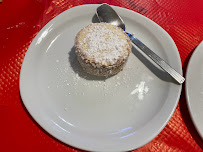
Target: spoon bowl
pixel 106 14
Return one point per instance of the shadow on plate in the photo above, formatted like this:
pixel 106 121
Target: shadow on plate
pixel 154 69
pixel 42 129
pixel 184 108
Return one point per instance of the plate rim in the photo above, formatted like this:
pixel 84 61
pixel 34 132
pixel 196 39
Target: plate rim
pixel 187 77
pixel 96 5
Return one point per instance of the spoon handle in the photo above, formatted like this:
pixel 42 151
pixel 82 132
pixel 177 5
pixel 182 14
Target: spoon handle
pixel 180 79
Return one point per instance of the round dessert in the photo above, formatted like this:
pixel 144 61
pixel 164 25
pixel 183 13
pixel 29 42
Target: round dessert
pixel 102 49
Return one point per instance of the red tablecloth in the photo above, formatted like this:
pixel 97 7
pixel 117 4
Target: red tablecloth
pixel 20 21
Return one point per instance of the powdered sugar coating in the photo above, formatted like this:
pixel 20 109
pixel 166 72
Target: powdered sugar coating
pixel 103 45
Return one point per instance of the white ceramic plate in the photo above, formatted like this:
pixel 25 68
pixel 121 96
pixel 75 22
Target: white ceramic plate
pixel 121 113
pixel 194 88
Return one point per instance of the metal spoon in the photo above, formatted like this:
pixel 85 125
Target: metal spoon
pixel 105 13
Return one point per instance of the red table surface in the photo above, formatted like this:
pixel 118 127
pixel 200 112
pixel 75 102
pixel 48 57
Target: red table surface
pixel 20 21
